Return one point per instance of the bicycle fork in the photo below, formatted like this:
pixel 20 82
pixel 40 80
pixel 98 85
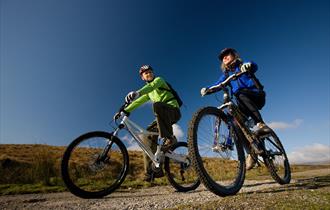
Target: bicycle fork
pixel 218 144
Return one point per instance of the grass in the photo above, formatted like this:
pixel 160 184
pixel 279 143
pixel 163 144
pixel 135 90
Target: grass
pixel 312 193
pixel 224 170
pixel 36 168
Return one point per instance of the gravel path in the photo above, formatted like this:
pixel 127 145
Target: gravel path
pixel 150 198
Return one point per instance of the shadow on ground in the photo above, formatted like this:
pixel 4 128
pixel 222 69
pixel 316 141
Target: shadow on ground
pixel 300 184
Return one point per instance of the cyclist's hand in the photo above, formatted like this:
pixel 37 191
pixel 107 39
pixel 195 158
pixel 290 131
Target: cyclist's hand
pixel 131 96
pixel 203 91
pixel 246 67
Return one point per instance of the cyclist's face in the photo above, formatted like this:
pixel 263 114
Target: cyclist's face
pixel 227 59
pixel 147 75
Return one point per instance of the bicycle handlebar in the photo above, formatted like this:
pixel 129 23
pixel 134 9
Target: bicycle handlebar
pixel 231 77
pixel 226 81
pixel 121 112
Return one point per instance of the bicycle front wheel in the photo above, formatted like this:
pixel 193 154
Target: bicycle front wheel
pixel 219 163
pixel 181 175
pixel 94 165
pixel 275 158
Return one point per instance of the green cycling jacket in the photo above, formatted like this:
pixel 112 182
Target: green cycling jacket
pixel 152 92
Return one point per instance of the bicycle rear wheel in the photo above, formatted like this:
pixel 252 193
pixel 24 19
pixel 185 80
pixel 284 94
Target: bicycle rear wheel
pixel 275 158
pixel 89 174
pixel 219 164
pixel 182 176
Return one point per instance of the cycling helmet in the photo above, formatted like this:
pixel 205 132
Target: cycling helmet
pixel 144 68
pixel 227 51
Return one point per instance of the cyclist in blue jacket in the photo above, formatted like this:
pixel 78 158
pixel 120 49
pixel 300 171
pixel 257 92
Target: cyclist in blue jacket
pixel 247 89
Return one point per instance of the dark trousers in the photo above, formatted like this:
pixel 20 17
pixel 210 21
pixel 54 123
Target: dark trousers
pixel 250 102
pixel 166 116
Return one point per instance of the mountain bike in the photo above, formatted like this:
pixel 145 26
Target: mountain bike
pixel 96 163
pixel 217 137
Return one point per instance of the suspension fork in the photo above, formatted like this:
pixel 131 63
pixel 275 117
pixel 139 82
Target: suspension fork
pixel 104 155
pixel 216 139
pixel 107 148
pixel 216 132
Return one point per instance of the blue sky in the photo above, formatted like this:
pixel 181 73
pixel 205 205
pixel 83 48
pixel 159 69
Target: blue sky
pixel 67 65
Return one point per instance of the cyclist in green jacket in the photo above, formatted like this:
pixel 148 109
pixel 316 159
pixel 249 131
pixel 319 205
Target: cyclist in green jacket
pixel 166 110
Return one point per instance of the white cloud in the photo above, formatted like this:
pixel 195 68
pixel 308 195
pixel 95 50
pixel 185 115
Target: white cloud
pixel 131 143
pixel 316 153
pixel 178 132
pixel 283 125
pixel 134 147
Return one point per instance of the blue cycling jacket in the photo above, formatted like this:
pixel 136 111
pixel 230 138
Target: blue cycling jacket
pixel 243 82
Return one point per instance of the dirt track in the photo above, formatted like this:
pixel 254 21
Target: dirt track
pixel 151 198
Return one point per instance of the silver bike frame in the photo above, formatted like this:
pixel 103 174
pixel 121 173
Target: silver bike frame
pixel 137 133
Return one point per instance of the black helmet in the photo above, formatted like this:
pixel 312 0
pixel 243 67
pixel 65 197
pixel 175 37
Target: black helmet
pixel 227 51
pixel 144 68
